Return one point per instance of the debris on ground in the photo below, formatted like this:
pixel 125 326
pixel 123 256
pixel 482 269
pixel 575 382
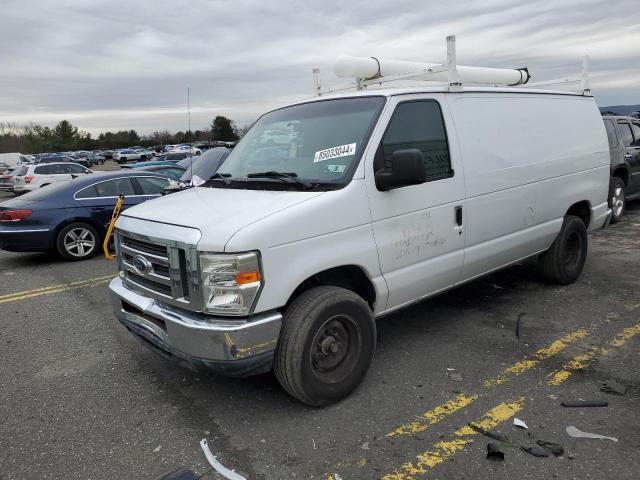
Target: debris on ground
pixel 519 423
pixel 454 376
pixel 614 388
pixel 553 447
pixel 486 433
pixel 536 451
pixel 218 467
pixel 583 403
pixel 577 433
pixel 365 446
pixel 158 448
pixel 520 315
pixel 181 473
pixel 494 453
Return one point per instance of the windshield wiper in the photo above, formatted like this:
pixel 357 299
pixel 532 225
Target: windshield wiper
pixel 280 175
pixel 222 176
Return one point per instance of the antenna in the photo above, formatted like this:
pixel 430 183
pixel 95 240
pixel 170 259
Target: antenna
pixel 189 130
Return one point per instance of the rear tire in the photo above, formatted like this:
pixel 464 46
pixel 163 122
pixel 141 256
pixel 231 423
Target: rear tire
pixel 326 345
pixel 617 199
pixel 564 261
pixel 77 241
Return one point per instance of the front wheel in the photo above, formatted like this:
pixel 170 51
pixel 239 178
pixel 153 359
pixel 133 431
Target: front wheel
pixel 326 345
pixel 77 241
pixel 563 262
pixel 617 200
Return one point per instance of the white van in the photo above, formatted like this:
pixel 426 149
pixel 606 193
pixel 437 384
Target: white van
pixel 380 199
pixel 13 160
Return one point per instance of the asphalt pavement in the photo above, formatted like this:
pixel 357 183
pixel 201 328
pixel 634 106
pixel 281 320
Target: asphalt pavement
pixel 80 398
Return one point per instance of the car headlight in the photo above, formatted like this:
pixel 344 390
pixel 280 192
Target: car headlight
pixel 230 283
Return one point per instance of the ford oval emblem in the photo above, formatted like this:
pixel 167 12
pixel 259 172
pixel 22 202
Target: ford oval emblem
pixel 141 264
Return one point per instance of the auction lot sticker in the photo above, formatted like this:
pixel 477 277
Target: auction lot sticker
pixel 335 152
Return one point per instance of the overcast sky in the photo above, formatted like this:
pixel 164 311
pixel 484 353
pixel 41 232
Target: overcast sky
pixel 122 64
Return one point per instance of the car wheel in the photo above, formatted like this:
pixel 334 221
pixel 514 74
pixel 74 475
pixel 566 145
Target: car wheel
pixel 77 241
pixel 564 261
pixel 326 345
pixel 617 199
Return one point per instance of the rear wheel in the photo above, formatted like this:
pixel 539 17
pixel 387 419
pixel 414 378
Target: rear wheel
pixel 617 200
pixel 326 345
pixel 564 261
pixel 77 241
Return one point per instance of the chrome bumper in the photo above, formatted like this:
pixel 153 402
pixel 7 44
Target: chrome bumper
pixel 237 347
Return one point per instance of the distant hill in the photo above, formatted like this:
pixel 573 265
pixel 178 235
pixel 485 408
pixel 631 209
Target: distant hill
pixel 621 109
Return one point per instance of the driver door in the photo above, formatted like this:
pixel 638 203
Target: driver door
pixel 418 229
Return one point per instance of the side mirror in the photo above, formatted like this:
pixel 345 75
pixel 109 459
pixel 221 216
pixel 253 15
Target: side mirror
pixel 407 168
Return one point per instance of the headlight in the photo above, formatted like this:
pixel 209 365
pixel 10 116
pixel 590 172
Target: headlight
pixel 230 283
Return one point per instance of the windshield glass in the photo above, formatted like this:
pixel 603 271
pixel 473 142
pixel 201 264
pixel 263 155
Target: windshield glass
pixel 319 142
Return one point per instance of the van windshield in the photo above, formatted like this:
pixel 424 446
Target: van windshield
pixel 318 144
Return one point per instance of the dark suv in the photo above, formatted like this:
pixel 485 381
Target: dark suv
pixel 624 146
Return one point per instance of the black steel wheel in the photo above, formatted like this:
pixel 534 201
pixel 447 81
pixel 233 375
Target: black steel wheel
pixel 326 345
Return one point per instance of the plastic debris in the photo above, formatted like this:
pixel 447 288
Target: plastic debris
pixel 455 376
pixel 181 473
pixel 519 423
pixel 336 477
pixel 614 388
pixel 536 451
pixel 365 446
pixel 494 453
pixel 554 448
pixel 218 467
pixel 577 433
pixel 583 403
pixel 158 448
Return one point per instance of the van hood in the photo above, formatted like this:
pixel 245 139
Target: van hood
pixel 217 212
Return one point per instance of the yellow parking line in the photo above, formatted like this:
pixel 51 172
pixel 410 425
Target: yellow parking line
pixel 432 417
pixel 36 292
pixel 542 354
pixel 443 450
pixel 581 361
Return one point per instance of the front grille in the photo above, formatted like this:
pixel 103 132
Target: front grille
pixel 161 269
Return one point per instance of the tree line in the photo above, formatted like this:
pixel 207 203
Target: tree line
pixel 64 136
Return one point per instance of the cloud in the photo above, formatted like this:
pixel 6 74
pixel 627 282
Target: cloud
pixel 115 64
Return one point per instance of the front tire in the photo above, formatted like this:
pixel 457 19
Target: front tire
pixel 563 263
pixel 77 241
pixel 617 199
pixel 326 345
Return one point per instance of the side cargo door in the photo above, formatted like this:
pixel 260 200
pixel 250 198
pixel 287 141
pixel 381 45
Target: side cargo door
pixel 418 229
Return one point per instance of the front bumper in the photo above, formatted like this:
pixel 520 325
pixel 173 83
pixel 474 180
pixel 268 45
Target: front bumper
pixel 230 347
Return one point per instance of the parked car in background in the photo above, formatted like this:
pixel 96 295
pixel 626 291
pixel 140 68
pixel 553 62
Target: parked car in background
pixel 13 159
pixel 32 177
pixel 166 159
pixel 623 134
pixel 7 179
pixel 108 154
pixel 174 172
pixel 128 155
pixel 186 149
pixel 72 217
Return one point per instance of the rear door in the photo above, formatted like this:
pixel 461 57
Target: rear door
pixel 631 139
pixel 418 229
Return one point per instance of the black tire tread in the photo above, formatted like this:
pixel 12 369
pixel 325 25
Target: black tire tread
pixel 550 261
pixel 293 336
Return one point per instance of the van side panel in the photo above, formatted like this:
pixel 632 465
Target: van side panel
pixel 527 159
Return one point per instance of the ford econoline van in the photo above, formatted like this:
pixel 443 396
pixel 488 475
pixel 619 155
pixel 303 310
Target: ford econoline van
pixel 369 202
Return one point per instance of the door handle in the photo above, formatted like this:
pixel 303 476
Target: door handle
pixel 458 211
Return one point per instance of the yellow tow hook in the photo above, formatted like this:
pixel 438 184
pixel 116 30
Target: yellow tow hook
pixel 114 217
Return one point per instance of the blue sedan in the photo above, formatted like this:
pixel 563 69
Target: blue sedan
pixel 72 217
